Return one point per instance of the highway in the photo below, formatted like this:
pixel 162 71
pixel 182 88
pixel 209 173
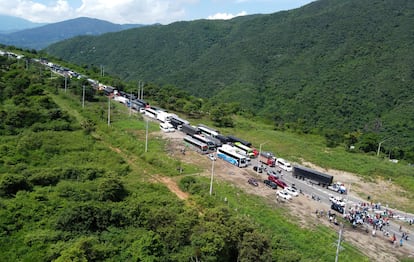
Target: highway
pixel 322 195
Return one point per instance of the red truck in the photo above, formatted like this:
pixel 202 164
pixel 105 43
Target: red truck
pixel 267 159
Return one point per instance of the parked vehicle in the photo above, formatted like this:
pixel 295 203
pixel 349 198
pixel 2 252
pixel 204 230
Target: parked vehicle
pixel 337 200
pixel 270 184
pixel 178 122
pixel 267 158
pixel 189 130
pixel 338 187
pixel 283 194
pixel 244 149
pixel 195 143
pixel 252 181
pixel 291 191
pixel 258 169
pixel 312 175
pixel 278 182
pixel 283 164
pixel 271 172
pixel 206 130
pixel 164 116
pixel 233 139
pixel 212 157
pixel 205 140
pixel 227 154
pixel 338 208
pixel 166 127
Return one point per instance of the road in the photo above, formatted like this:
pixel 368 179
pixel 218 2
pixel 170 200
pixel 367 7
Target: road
pixel 322 195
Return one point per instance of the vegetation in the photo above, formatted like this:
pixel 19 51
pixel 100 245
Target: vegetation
pixel 70 192
pixel 340 69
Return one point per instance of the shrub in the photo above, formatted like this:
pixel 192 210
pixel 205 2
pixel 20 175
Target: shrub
pixel 12 183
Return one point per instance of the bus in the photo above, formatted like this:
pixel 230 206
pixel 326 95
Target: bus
pixel 205 140
pixel 245 149
pixel 231 157
pixel 207 130
pixel 196 143
pixel 151 112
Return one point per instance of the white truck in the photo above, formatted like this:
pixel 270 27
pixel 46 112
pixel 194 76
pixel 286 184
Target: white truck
pixel 338 187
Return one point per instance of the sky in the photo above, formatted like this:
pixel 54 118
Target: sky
pixel 141 11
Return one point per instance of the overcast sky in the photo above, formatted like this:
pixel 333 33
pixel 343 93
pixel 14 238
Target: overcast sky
pixel 141 11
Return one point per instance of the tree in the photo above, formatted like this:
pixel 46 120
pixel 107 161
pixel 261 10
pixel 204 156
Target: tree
pixel 12 183
pixel 111 190
pixel 254 247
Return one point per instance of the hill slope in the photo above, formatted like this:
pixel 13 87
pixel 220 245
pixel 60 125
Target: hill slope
pixel 40 37
pixel 9 24
pixel 333 64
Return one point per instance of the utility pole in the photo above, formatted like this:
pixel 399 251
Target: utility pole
pixel 130 104
pixel 109 111
pixel 212 173
pixel 66 82
pixel 146 138
pixel 139 89
pixel 83 96
pixel 142 90
pixel 379 145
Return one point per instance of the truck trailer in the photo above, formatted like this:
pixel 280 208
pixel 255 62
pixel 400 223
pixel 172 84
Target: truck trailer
pixel 190 130
pixel 312 175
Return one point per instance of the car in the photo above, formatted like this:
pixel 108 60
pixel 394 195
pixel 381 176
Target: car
pixel 337 208
pixel 280 183
pixel 258 169
pixel 212 157
pixel 337 200
pixel 283 194
pixel 271 172
pixel 252 181
pixel 270 184
pixel 291 191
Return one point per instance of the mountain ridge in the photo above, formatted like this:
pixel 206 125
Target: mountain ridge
pixel 330 65
pixel 44 35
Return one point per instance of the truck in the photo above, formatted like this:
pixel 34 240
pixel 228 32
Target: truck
pixel 267 158
pixel 190 130
pixel 164 117
pixel 233 139
pixel 178 122
pixel 313 176
pixel 338 187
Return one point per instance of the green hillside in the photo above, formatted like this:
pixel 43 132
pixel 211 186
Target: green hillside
pixel 333 66
pixel 74 189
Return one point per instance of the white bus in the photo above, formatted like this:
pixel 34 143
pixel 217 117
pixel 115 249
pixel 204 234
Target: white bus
pixel 205 140
pixel 283 164
pixel 227 154
pixel 196 143
pixel 151 112
pixel 245 149
pixel 207 130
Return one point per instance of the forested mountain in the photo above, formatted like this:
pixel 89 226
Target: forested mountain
pixel 331 66
pixel 42 36
pixel 9 24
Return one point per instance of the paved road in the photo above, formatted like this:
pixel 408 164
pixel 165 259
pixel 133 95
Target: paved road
pixel 323 195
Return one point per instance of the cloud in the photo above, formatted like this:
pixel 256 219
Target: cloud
pixel 225 16
pixel 116 11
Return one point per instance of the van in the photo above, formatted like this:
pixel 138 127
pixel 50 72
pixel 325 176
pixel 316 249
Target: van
pixel 166 127
pixel 283 164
